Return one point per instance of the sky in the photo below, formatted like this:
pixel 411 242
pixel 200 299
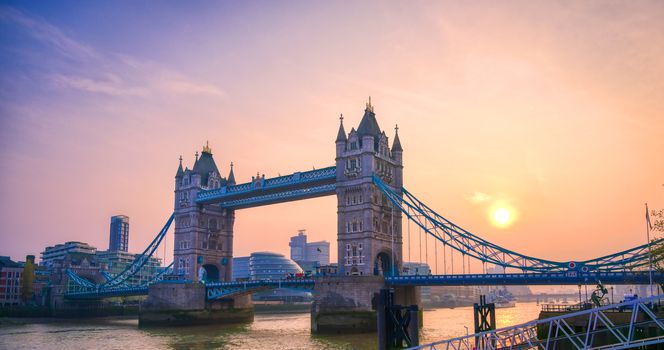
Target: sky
pixel 552 110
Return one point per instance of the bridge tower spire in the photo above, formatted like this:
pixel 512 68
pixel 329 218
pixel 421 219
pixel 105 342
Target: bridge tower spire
pixel 203 233
pixel 231 176
pixel 369 229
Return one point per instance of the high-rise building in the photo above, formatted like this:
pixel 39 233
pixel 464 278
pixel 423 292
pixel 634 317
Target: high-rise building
pixel 298 246
pixel 119 236
pixel 301 251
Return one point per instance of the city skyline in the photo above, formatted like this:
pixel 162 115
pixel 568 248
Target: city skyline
pixel 535 119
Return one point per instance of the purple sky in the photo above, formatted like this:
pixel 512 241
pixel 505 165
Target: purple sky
pixel 553 109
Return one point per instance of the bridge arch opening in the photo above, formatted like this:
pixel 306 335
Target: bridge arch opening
pixel 211 273
pixel 383 264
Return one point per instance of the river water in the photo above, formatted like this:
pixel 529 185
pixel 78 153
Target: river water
pixel 267 331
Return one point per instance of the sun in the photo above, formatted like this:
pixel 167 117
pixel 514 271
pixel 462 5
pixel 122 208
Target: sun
pixel 501 217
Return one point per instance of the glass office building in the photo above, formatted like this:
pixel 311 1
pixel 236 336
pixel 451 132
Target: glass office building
pixel 268 265
pixel 272 266
pixel 119 235
pixel 241 268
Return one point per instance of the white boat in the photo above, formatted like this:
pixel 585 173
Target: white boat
pixel 504 304
pixel 502 299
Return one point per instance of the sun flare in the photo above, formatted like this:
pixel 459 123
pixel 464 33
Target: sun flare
pixel 502 217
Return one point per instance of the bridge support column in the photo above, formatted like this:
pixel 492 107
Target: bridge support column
pixel 349 303
pixel 185 304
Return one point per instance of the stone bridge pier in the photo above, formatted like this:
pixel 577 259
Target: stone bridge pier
pixel 348 304
pixel 185 304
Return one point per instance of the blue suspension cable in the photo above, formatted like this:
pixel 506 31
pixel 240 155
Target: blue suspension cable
pixel 408 223
pixel 463 241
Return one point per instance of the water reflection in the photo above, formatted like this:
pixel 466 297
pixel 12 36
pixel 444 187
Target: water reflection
pixel 275 331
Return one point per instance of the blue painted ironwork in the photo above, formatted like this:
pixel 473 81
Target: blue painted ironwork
pixel 616 268
pixel 298 180
pixel 168 270
pixel 109 277
pixel 141 260
pixel 280 197
pixel 219 290
pixel 108 293
pixel 115 285
pixel 539 278
pixel 78 280
pixel 92 291
pixel 467 243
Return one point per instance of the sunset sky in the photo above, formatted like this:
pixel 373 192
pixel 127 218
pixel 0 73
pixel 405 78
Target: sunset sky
pixel 553 110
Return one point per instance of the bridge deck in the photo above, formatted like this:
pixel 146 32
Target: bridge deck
pixel 223 289
pixel 573 278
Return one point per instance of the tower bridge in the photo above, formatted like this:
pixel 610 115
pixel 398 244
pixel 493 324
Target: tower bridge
pixel 367 179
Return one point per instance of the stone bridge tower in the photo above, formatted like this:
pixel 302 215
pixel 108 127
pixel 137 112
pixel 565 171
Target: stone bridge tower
pixel 203 233
pixel 369 229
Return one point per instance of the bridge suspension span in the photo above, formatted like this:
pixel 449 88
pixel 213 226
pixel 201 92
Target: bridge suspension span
pixel 471 245
pixel 616 268
pixel 119 284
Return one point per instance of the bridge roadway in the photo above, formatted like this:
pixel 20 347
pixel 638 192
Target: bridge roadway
pixel 220 290
pixel 517 279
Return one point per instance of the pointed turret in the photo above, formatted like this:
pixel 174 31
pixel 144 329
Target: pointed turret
pixel 396 146
pixel 231 176
pixel 180 172
pixel 205 165
pixel 341 135
pixel 368 124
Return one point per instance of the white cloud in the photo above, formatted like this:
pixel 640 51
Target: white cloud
pixel 109 87
pixel 108 73
pixel 479 197
pixel 48 33
pixel 185 86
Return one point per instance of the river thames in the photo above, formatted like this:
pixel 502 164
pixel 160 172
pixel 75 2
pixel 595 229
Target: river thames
pixel 267 331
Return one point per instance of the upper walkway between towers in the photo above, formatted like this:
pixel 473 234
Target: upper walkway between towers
pixel 262 191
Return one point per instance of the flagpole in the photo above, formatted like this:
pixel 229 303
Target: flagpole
pixel 649 248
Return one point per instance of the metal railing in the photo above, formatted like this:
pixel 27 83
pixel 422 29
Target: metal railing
pixel 644 328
